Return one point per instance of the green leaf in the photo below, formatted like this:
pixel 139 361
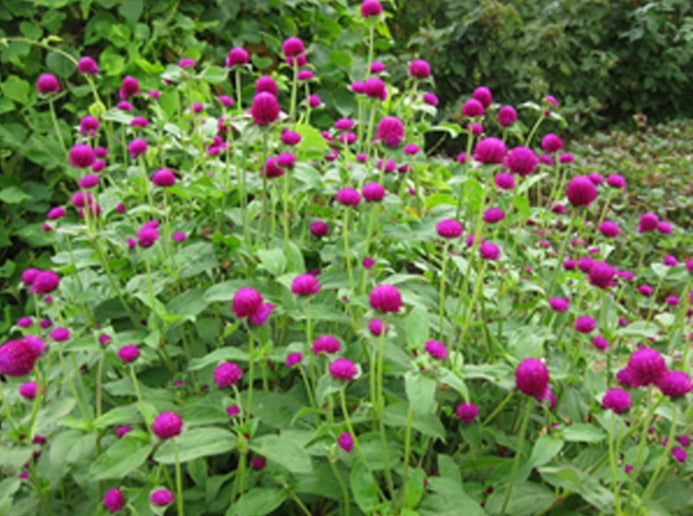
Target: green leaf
pixel 16 89
pixel 417 328
pixel 428 425
pixel 188 304
pixel 60 65
pixel 118 415
pixel 451 499
pixel 272 260
pixel 222 292
pixel 527 498
pixel 583 432
pixel 13 195
pixel 414 488
pixel 218 356
pixel 123 457
pixel 312 144
pixel 196 443
pixel 214 74
pixel 131 10
pixel 421 392
pixel 258 502
pixel 545 449
pixel 576 481
pixel 284 451
pixel 364 489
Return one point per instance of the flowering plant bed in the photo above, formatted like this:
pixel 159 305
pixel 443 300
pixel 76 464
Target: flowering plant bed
pixel 248 314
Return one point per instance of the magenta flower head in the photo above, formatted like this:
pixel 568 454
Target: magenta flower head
pixel 87 65
pixel 56 213
pixel 343 369
pixel 319 228
pixel 81 156
pixel 376 327
pixel 648 222
pixel 386 298
pixel 314 101
pixel 89 181
pixel 493 215
pixel 246 301
pixel 25 322
pixel 467 412
pixel 419 68
pixel 506 116
pixel 551 143
pixel 161 497
pixel 373 192
pixel 89 125
pixel 616 181
pixel 266 83
pixel 436 349
pixel 137 146
pixel 374 88
pixel 293 359
pixel 130 86
pixel 665 227
pixel 227 374
pixel 483 95
pixel 505 181
pixel 645 290
pixel 305 285
pixel 522 161
pixel 17 358
pixel 260 317
pixel 326 344
pixel 675 384
pixel 47 83
pixel 449 228
pixel 430 98
pixel 237 56
pixel 609 229
pixel 679 454
pixel 595 178
pixel 44 282
pixel 265 108
pixel 473 108
pixel 600 343
pixel 167 425
pixel 490 150
pixel 129 353
pixel 371 8
pixel 391 131
pixel 348 197
pixel 305 75
pixel 585 324
pixel 581 191
pixel 122 431
pixel 113 500
pixel 601 275
pixel 559 304
pixel 647 367
pixel 345 441
pixel 164 178
pixel 293 47
pixel 489 251
pixel 617 400
pixel 186 63
pixel 290 137
pixel 28 390
pixel 60 334
pixel 532 377
pixel 147 236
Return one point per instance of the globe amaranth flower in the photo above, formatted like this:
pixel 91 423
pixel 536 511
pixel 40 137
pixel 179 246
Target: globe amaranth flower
pixel 373 192
pixel 670 261
pixel 25 322
pixel 679 454
pixel 647 367
pixel 581 191
pixel 376 327
pixel 489 251
pixel 371 8
pixel 600 343
pixel 186 63
pixel 237 56
pixel 290 137
pixel 585 324
pixel 319 228
pixel 506 116
pixel 246 301
pixel 483 95
pixel 81 156
pixel 167 425
pixel 559 304
pixel 532 377
pixel 270 169
pixel 262 314
pixel 436 349
pixel 348 197
pixel 504 181
pixel 47 83
pixel 490 150
pixel 374 88
pixel 17 357
pixel 493 215
pixel 87 65
pixel 305 285
pixel 344 124
pixel 343 369
pixel 472 108
pixel 265 108
pixel 617 400
pixel 314 101
pixel 585 263
pixel 293 359
pixel 467 412
pixel 89 181
pixel 449 228
pixel 28 390
pixel 675 384
pixel 665 227
pixel 147 236
pixel 44 282
pixel 522 161
pixel 161 497
pixel 89 125
pixel 164 178
pixel 326 344
pixel 551 143
pixel 137 146
pixel 609 229
pixel 430 98
pixel 114 500
pixel 648 222
pixel 390 131
pixel 419 68
pixel 129 87
pixel 601 275
pixel 386 298
pixel 293 47
pixel 227 374
pixel 129 353
pixel 345 441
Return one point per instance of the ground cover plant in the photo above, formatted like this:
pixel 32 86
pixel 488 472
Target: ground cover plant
pixel 248 313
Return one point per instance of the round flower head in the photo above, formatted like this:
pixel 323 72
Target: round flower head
pixel 28 390
pixel 376 327
pixel 81 156
pixel 314 101
pixel 305 285
pixel 227 374
pixel 88 66
pixel 411 149
pixel 551 143
pixel 585 263
pixel 595 178
pixel 60 334
pixel 436 349
pixel 25 322
pixel 616 181
pixel 600 343
pixel 648 222
pixel 89 125
pixel 647 367
pixel 129 353
pixel 344 124
pixel 130 86
pixel 391 131
pixel 137 146
pixel 290 137
pixel 237 56
pixel 122 431
pixel 374 88
pixel 617 400
pixel 164 178
pixel 326 344
pixel 419 68
pixel 56 213
pixel 585 324
pixel 505 181
pixel 601 275
pixel 386 298
pixel 167 425
pixel 246 301
pixel 179 236
pixel 489 251
pixel 373 192
pixel 293 47
pixel 47 83
pixel 147 236
pixel 266 84
pixel 89 181
pixel 161 497
pixel 559 304
pixel 483 95
pixel 293 359
pixel 345 441
pixel 430 98
pixel 371 8
pixel 186 63
pixel 343 369
pixel 271 169
pixel 581 191
pixel 113 500
pixel 679 454
pixel 377 67
pixel 265 108
pixel 319 228
pixel 532 377
pixel 675 384
pixel 609 229
pixel 260 317
pixel 506 116
pixel 348 197
pixel 490 150
pixel 449 228
pixel 493 215
pixel 467 412
pixel 670 261
pixel 522 161
pixel 44 282
pixel 473 108
pixel 665 227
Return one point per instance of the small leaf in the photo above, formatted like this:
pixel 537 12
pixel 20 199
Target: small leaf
pixel 417 328
pixel 123 457
pixel 13 195
pixel 545 449
pixel 196 443
pixel 272 260
pixel 584 433
pixel 364 489
pixel 421 392
pixel 284 451
pixel 218 356
pixel 258 502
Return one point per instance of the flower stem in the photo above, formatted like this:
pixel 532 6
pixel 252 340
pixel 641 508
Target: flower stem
pixel 518 454
pixel 179 480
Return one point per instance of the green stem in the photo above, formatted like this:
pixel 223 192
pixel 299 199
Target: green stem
pixel 179 480
pixel 407 452
pixel 140 402
pixel 58 133
pixel 654 478
pixel 6 406
pixel 347 255
pixel 380 398
pixel 441 303
pixel 561 252
pixel 518 454
pixel 343 487
pixel 251 374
